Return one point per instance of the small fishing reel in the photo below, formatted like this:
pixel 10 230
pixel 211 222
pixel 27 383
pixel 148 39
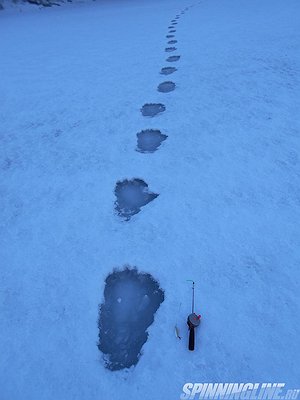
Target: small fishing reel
pixel 193 321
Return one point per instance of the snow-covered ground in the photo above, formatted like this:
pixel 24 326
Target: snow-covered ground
pixel 73 80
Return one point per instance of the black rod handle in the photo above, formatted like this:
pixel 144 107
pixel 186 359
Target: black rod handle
pixel 192 338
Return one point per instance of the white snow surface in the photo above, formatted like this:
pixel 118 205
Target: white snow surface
pixel 73 80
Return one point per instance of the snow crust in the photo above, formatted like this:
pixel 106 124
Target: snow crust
pixel 73 81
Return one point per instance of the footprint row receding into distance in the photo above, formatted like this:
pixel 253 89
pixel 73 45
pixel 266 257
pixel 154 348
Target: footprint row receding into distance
pixel 132 194
pixel 131 298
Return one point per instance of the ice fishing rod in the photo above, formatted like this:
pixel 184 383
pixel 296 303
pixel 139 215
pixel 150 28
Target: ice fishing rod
pixel 193 297
pixel 193 320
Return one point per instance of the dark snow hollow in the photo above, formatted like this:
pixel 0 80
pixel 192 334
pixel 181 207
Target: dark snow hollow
pixel 131 300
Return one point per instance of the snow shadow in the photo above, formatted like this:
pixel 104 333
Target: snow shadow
pixel 173 58
pixel 131 196
pixel 131 300
pixel 168 70
pixel 152 109
pixel 166 87
pixel 149 140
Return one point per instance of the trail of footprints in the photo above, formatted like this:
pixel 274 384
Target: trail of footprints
pixel 131 298
pixel 133 194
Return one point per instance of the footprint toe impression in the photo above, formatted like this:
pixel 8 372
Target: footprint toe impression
pixel 173 58
pixel 166 87
pixel 152 109
pixel 149 140
pixel 131 299
pixel 131 196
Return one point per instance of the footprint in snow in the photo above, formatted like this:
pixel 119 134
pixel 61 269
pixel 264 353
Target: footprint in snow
pixel 172 31
pixel 170 49
pixel 131 196
pixel 131 299
pixel 170 36
pixel 172 41
pixel 152 109
pixel 173 58
pixel 168 70
pixel 166 87
pixel 149 140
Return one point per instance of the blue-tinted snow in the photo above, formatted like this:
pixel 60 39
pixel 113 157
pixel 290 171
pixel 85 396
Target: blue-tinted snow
pixel 73 79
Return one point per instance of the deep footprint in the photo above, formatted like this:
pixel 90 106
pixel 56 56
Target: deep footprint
pixel 152 109
pixel 172 41
pixel 173 58
pixel 172 31
pixel 170 36
pixel 168 70
pixel 149 140
pixel 166 87
pixel 170 49
pixel 131 196
pixel 131 300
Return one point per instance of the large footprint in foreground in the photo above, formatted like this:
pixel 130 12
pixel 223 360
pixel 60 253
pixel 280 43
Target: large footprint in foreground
pixel 131 196
pixel 131 300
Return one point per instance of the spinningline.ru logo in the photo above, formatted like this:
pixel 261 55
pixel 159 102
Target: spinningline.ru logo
pixel 238 391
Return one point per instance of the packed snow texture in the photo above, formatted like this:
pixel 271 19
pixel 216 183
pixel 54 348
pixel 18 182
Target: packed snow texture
pixel 73 80
pixel 131 300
